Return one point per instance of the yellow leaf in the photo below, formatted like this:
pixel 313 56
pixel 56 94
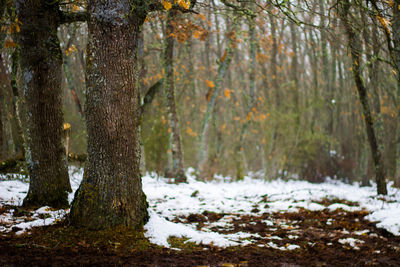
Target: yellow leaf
pixel 227 93
pixel 196 34
pixel 183 3
pixel 223 127
pixel 167 5
pixel 210 84
pixel 248 117
pixel 75 8
pixel 70 50
pixel 190 132
pixel 67 126
pixel 384 22
pixel 10 44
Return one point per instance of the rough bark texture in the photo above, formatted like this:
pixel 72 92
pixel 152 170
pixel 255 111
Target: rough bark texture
pixel 111 191
pixel 40 65
pixel 354 45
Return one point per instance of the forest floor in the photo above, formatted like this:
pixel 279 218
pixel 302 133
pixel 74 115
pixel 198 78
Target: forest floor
pixel 220 223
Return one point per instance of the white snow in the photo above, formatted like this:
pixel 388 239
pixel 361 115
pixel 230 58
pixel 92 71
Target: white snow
pixel 248 197
pixel 352 242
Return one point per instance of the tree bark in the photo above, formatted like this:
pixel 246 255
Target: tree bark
pixel 223 65
pixel 111 193
pixel 396 49
pixel 354 44
pixel 40 64
pixel 4 80
pixel 175 148
pixel 325 69
pixel 15 120
pixel 239 150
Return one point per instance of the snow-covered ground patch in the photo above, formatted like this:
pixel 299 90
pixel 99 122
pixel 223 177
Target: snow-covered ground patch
pixel 250 197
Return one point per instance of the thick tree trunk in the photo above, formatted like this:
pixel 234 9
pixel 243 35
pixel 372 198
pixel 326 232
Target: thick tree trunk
pixel 111 191
pixel 175 148
pixel 40 65
pixel 354 44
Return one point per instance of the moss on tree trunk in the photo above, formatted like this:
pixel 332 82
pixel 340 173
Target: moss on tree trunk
pixel 42 116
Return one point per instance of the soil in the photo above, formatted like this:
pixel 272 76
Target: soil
pixel 319 236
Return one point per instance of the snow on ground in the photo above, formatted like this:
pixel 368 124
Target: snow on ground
pixel 248 197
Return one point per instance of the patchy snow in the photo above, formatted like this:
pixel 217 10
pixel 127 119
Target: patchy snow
pixel 352 242
pixel 344 207
pixel 251 197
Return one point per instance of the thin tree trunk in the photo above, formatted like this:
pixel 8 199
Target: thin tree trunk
pixel 4 82
pixel 396 49
pixel 224 63
pixel 239 155
pixel 295 74
pixel 41 63
pixel 15 121
pixel 325 68
pixel 274 169
pixel 354 44
pixel 175 147
pixel 111 191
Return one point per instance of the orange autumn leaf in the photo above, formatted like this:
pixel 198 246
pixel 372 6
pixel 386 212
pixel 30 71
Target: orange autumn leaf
pixel 227 93
pixel 223 57
pixel 167 5
pixel 210 84
pixel 190 132
pixel 202 17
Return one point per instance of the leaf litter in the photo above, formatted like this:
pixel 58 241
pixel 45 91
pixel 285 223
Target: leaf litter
pixel 248 217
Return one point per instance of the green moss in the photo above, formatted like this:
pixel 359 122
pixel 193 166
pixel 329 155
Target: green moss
pixel 123 239
pixel 181 243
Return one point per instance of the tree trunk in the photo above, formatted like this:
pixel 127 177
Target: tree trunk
pixel 224 63
pixel 3 77
pixel 15 120
pixel 175 148
pixel 4 81
pixel 239 150
pixel 40 64
pixel 111 191
pixel 396 48
pixel 325 69
pixel 354 44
